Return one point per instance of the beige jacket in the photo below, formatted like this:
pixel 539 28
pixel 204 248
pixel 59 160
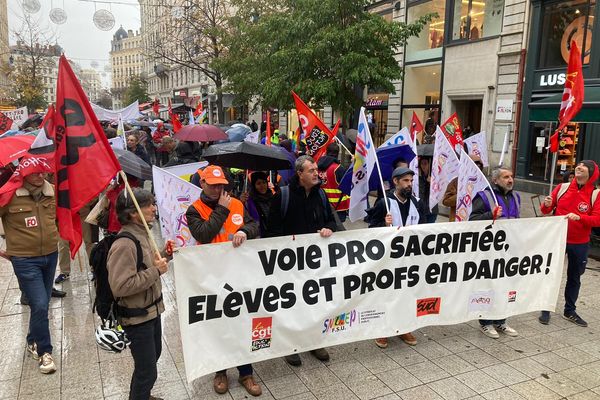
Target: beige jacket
pixel 134 289
pixel 30 226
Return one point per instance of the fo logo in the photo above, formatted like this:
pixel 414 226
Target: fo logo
pixel 430 305
pixel 583 207
pixel 261 333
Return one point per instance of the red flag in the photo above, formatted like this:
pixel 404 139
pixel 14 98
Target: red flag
pixel 27 166
pixel 572 98
pixel 85 162
pixel 316 134
pixel 269 133
pixel 5 123
pixel 453 131
pixel 155 105
pixel 415 126
pixel 198 109
pixel 174 119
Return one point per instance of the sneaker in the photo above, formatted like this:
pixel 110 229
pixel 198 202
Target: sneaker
pixel 507 330
pixel 294 360
pixel 32 349
pixel 61 278
pixel 47 364
pixel 544 317
pixel 489 331
pixel 409 339
pixel 58 293
pixel 320 354
pixel 576 319
pixel 382 343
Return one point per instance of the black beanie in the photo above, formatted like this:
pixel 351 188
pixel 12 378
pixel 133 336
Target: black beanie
pixel 256 176
pixel 590 165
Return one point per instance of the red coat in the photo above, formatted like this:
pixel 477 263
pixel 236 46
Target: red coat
pixel 578 201
pixel 157 137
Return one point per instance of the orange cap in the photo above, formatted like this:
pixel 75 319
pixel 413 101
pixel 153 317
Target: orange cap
pixel 213 175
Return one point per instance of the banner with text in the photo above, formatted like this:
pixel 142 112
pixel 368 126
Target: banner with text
pixel 272 297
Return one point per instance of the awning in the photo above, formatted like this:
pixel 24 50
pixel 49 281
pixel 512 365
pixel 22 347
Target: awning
pixel 546 109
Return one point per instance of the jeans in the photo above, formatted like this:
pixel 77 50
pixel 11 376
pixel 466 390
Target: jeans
pixel 484 322
pixel 244 370
pixel 35 276
pixel 146 346
pixel 577 260
pixel 430 218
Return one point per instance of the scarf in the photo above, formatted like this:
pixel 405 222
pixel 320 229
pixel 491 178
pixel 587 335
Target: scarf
pixel 35 191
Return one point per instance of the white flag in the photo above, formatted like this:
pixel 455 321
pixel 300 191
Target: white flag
pixel 192 120
pixel 252 137
pixel 364 162
pixel 470 182
pixel 402 137
pixel 121 132
pixel 173 197
pixel 477 145
pixel 444 168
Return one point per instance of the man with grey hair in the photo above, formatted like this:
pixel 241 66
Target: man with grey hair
pixel 484 208
pixel 306 210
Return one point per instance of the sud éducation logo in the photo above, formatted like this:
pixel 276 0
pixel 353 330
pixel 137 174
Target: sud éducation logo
pixel 428 306
pixel 261 333
pixel 340 322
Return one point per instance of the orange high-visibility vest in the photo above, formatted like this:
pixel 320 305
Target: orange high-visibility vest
pixel 233 223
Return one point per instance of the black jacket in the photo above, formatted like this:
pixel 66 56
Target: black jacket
pixel 205 231
pixel 184 154
pixel 141 153
pixel 376 214
pixel 305 214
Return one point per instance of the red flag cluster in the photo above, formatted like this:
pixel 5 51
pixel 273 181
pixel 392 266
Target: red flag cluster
pixel 316 134
pixel 572 98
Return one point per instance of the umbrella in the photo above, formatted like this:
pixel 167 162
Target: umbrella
pixel 13 147
pixel 201 133
pixel 133 165
pixel 246 155
pixel 238 132
pixel 387 156
pixel 425 150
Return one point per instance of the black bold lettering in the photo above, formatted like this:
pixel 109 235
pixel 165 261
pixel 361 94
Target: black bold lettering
pixel 268 264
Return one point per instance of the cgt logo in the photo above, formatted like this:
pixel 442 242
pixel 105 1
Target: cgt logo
pixel 261 333
pixel 512 296
pixel 583 207
pixel 428 306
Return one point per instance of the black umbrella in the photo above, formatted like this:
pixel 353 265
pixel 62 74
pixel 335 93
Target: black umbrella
pixel 425 150
pixel 246 155
pixel 133 165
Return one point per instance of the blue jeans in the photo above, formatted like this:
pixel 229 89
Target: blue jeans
pixel 35 276
pixel 484 322
pixel 577 260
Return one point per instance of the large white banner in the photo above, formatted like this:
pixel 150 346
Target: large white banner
pixel 444 168
pixel 273 297
pixel 173 198
pixel 128 113
pixel 477 145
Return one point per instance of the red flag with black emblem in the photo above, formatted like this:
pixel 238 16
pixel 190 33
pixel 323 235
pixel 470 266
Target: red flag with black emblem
pixel 85 162
pixel 572 98
pixel 5 123
pixel 316 134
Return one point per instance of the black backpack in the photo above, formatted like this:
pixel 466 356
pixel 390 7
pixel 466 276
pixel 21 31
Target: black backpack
pixel 105 304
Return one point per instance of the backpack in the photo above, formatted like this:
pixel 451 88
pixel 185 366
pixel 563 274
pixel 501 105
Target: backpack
pixel 285 202
pixel 105 304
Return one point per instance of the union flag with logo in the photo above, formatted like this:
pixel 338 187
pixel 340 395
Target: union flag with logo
pixel 84 160
pixel 453 131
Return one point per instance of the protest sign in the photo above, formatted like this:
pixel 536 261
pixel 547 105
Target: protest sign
pixel 18 116
pixel 277 296
pixel 185 171
pixel 173 198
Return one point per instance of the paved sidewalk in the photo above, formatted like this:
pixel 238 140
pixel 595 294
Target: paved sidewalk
pixel 556 361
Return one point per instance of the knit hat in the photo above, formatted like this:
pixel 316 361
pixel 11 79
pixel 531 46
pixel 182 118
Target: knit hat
pixel 256 176
pixel 590 165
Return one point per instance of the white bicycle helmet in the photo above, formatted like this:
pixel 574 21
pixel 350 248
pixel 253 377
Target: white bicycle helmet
pixel 111 339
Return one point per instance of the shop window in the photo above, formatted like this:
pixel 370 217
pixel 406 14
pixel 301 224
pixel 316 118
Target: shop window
pixel 422 84
pixel 428 44
pixel 429 117
pixel 476 19
pixel 563 22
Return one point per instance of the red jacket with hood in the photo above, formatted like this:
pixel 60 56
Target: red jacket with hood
pixel 577 200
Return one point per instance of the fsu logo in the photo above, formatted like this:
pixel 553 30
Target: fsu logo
pixel 583 207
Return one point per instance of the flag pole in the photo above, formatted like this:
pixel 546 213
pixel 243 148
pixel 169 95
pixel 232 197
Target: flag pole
pixel 342 144
pixel 385 199
pixel 553 170
pixel 139 210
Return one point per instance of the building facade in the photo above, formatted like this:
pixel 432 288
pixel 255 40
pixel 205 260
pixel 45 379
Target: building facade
pixel 91 83
pixel 47 57
pixel 126 61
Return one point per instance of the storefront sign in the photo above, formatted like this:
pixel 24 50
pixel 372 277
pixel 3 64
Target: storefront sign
pixel 504 109
pixel 552 79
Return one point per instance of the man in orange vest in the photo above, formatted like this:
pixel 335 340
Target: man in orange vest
pixel 214 218
pixel 331 174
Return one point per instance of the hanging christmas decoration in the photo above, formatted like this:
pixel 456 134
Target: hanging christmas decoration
pixel 104 20
pixel 31 6
pixel 58 16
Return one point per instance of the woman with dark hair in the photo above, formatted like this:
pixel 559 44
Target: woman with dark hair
pixel 138 290
pixel 258 200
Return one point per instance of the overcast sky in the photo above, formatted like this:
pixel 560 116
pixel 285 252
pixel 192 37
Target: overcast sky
pixel 79 37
